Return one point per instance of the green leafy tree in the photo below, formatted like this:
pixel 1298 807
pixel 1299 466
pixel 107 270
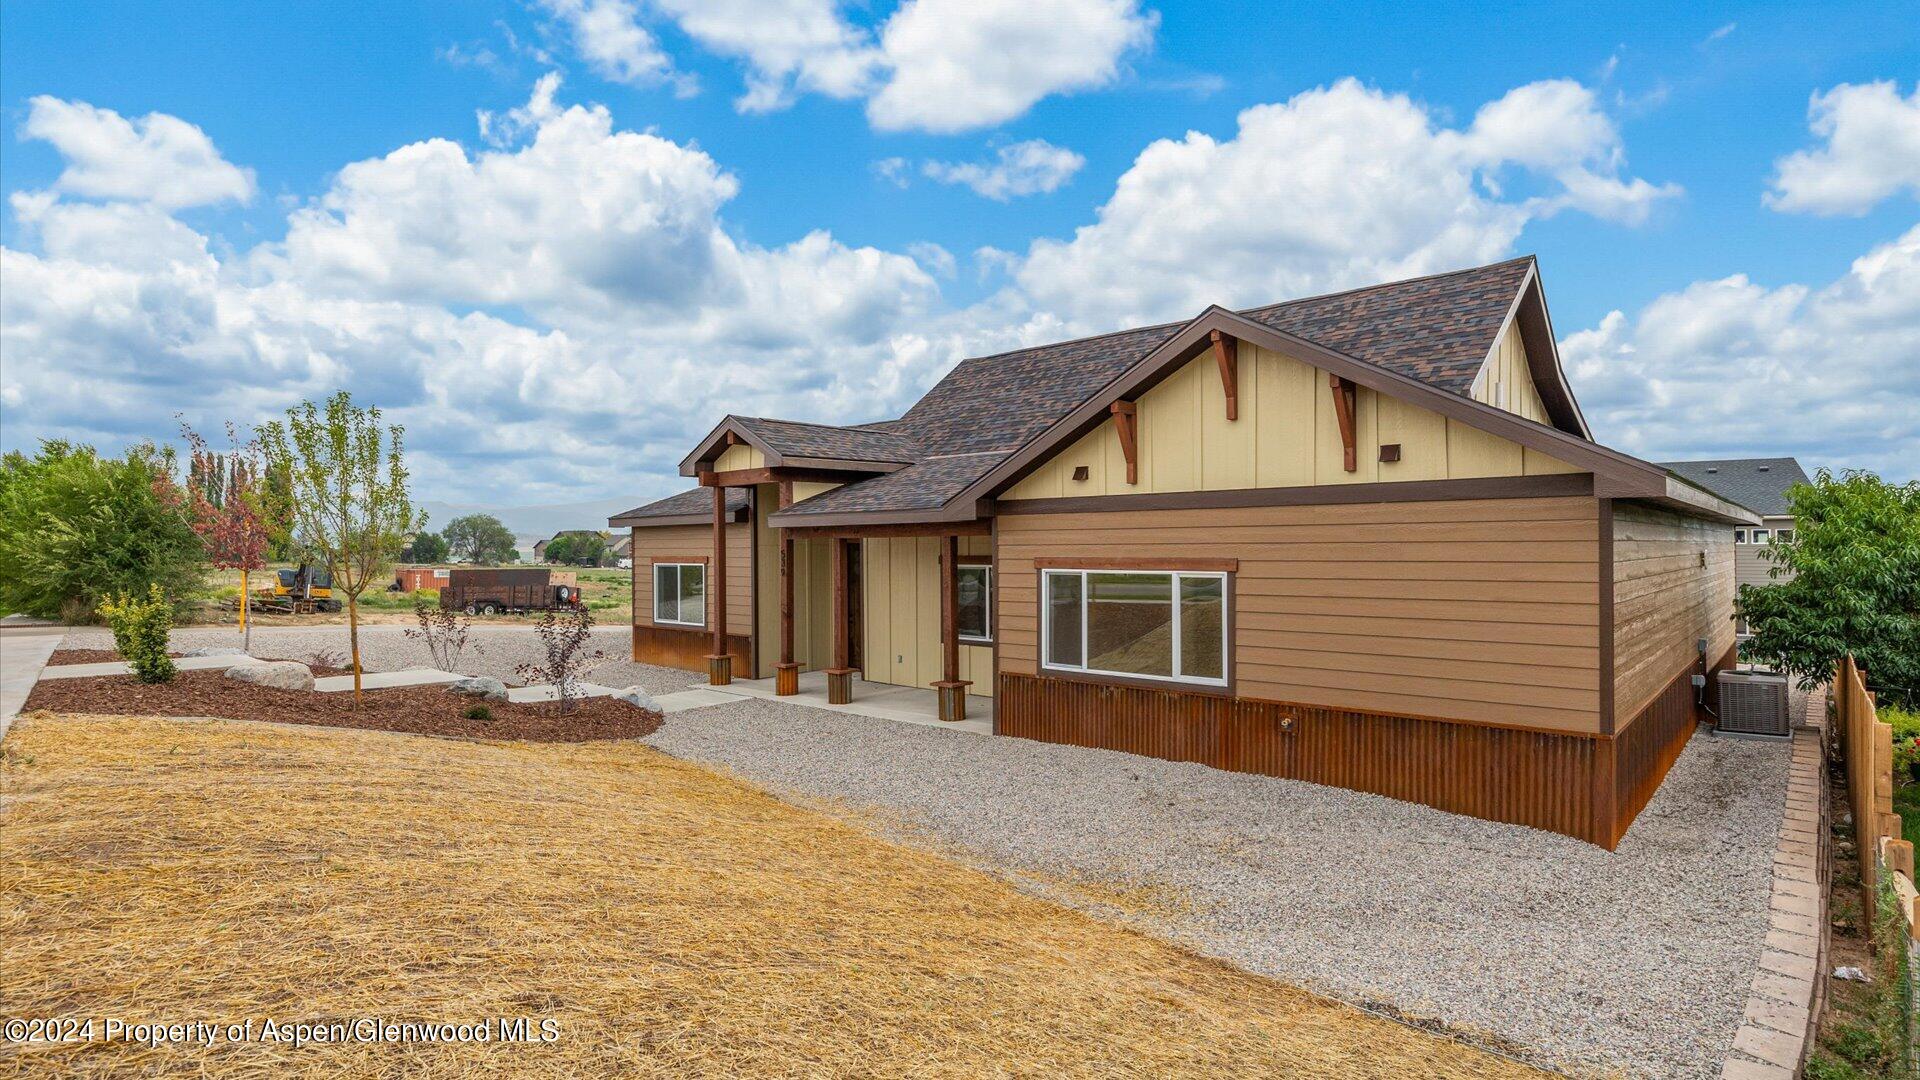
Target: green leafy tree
pixel 1855 586
pixel 77 528
pixel 350 503
pixel 427 548
pixel 480 539
pixel 571 550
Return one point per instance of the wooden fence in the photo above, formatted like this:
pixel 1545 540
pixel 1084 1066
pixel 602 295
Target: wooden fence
pixel 1866 747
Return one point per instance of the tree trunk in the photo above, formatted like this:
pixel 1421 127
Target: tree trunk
pixel 246 625
pixel 353 642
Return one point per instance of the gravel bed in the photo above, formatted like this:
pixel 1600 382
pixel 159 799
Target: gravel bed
pixel 1637 960
pixel 496 651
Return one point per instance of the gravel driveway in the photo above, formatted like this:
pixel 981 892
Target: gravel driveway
pixel 1638 959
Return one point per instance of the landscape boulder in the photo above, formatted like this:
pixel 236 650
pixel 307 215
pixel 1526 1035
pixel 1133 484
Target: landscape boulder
pixel 480 687
pixel 638 698
pixel 218 650
pixel 279 674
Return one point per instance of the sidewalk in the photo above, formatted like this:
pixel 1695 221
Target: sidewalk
pixel 22 655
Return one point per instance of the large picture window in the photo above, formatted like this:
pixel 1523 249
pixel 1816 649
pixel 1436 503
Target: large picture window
pixel 680 594
pixel 973 589
pixel 1142 624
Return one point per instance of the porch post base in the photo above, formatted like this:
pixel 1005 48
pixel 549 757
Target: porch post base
pixel 839 686
pixel 786 679
pixel 720 670
pixel 953 700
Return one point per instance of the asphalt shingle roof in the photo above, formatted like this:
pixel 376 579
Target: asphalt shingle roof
pixel 1437 329
pixel 697 501
pixel 1759 484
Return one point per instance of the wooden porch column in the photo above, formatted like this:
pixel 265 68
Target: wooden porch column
pixel 839 676
pixel 786 673
pixel 719 662
pixel 952 691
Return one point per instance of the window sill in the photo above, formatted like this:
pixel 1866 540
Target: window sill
pixel 1172 686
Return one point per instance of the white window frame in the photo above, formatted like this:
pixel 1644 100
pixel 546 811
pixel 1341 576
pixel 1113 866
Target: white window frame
pixel 1759 536
pixel 1739 536
pixel 973 639
pixel 678 568
pixel 1226 626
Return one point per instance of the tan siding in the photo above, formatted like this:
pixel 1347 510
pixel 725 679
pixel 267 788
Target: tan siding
pixel 673 541
pixel 1481 610
pixel 1287 435
pixel 740 456
pixel 901 611
pixel 1665 600
pixel 1506 382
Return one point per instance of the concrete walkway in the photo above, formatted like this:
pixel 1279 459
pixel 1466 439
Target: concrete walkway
pixel 22 654
pixel 121 667
pixel 548 692
pixel 881 701
pixel 386 680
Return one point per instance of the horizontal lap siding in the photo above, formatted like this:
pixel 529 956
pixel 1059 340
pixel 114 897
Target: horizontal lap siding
pixel 1478 610
pixel 668 542
pixel 1665 600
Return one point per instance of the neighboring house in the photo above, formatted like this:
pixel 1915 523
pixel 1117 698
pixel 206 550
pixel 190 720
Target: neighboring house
pixel 622 550
pixel 1363 539
pixel 1760 485
pixel 540 548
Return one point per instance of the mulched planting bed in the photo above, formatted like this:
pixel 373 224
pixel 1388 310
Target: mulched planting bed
pixel 421 710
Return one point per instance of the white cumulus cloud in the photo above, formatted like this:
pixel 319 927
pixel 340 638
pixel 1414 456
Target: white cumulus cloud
pixel 1872 152
pixel 1734 368
pixel 611 39
pixel 1340 186
pixel 158 159
pixel 1032 167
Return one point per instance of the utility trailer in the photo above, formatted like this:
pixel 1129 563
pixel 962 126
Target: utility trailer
pixel 501 590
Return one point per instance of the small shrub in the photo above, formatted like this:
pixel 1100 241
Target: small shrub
pixel 564 640
pixel 140 630
pixel 477 712
pixel 444 631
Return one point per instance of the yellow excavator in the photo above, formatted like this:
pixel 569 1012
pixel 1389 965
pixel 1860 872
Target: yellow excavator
pixel 300 591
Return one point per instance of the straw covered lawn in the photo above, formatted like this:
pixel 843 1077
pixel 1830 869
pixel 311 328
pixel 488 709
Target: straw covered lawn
pixel 672 920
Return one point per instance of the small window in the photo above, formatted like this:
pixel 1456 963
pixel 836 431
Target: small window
pixel 973 587
pixel 1739 536
pixel 1785 536
pixel 680 594
pixel 1760 536
pixel 1159 625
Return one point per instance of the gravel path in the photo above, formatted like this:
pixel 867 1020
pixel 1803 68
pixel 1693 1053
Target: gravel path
pixel 1638 959
pixel 492 650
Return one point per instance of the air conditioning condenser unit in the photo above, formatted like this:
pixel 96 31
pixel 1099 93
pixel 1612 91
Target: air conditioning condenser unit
pixel 1753 702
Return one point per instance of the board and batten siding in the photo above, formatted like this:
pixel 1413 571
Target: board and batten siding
pixel 812 593
pixel 1506 382
pixel 900 606
pixel 740 456
pixel 1287 435
pixel 1672 586
pixel 667 543
pixel 1480 610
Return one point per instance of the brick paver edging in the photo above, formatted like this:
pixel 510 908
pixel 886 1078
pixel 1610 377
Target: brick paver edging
pixel 1773 1040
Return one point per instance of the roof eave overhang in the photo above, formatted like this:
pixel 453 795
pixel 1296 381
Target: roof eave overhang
pixel 1699 502
pixel 1529 313
pixel 717 441
pixel 628 521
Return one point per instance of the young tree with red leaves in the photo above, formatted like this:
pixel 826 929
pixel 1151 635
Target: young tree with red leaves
pixel 228 511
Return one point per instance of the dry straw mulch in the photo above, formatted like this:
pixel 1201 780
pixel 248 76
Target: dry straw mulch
pixel 675 921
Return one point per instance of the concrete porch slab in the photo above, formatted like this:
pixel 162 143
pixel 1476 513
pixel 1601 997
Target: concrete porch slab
pixel 121 667
pixel 698 697
pixel 882 701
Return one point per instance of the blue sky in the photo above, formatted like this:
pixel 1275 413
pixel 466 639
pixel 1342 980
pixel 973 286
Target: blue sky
pixel 807 209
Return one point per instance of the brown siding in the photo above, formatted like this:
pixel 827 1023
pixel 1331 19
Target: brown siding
pixel 1665 599
pixel 666 543
pixel 1483 610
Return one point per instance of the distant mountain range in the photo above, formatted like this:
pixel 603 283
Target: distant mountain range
pixel 531 523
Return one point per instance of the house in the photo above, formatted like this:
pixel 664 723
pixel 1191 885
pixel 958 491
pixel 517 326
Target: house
pixel 540 547
pixel 1363 539
pixel 1760 485
pixel 622 550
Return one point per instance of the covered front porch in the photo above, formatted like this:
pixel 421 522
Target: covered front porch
pixel 894 614
pixel 882 701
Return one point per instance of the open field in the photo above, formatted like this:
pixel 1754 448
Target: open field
pixel 672 920
pixel 608 590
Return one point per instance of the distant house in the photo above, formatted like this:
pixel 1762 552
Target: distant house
pixel 1760 485
pixel 1364 539
pixel 540 548
pixel 622 550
